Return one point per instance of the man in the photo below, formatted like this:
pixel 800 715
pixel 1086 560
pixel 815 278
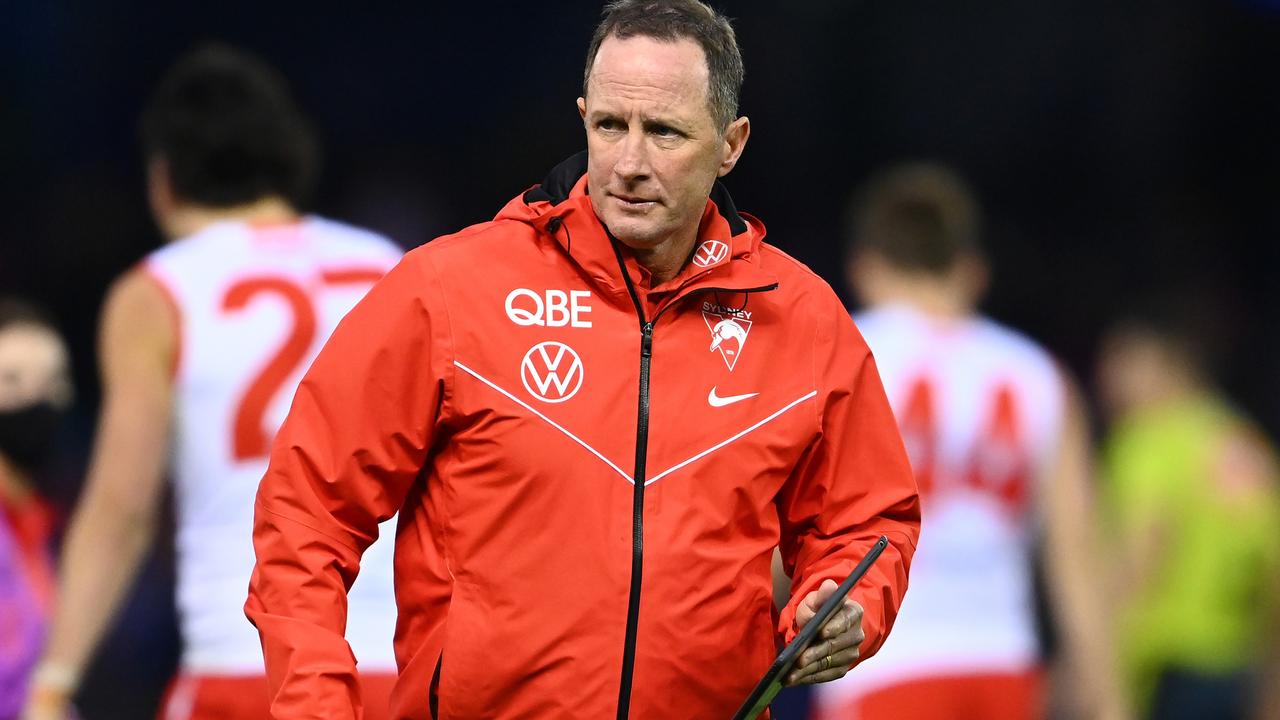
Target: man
pixel 201 348
pixel 1194 511
pixel 35 392
pixel 596 415
pixel 999 444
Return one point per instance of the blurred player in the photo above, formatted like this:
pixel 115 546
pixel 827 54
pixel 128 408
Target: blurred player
pixel 35 392
pixel 202 346
pixel 1194 503
pixel 999 446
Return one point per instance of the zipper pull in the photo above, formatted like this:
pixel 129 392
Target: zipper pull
pixel 646 340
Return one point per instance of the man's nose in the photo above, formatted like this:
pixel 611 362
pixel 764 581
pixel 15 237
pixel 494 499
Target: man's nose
pixel 633 161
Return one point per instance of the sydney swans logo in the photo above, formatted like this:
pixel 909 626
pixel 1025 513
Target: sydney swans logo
pixel 551 372
pixel 728 335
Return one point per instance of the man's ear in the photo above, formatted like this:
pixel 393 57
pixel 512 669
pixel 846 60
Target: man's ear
pixel 866 272
pixel 735 141
pixel 582 107
pixel 974 275
pixel 159 187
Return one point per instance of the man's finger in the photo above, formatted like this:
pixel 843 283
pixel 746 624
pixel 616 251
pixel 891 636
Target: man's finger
pixel 817 651
pixel 839 661
pixel 844 641
pixel 836 624
pixel 809 606
pixel 850 616
pixel 825 676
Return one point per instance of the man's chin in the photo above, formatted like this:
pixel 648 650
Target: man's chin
pixel 637 236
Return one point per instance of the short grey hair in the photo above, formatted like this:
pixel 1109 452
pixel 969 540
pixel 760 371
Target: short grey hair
pixel 671 20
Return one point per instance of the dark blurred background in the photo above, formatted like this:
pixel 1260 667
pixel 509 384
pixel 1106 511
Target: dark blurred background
pixel 1121 148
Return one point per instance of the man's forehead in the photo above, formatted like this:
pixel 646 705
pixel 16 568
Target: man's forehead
pixel 677 68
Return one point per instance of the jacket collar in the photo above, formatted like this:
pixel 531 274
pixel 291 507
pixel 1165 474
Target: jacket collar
pixel 725 256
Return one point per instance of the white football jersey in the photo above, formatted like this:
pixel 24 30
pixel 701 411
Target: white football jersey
pixel 981 410
pixel 254 305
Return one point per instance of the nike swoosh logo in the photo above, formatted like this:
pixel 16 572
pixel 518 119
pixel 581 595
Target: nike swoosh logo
pixel 716 401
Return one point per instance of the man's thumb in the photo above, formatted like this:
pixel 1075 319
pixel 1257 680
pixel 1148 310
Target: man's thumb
pixel 809 606
pixel 825 590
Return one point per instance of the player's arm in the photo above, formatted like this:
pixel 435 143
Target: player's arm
pixel 1139 550
pixel 1246 472
pixel 1074 567
pixel 852 485
pixel 113 526
pixel 1268 705
pixel 1268 701
pixel 781 582
pixel 356 437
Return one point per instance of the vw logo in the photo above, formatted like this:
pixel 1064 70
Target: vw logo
pixel 551 372
pixel 711 252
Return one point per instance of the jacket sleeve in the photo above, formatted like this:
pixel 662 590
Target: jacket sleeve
pixel 354 441
pixel 852 484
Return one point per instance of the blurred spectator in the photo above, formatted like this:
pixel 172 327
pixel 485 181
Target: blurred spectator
pixel 999 445
pixel 1194 514
pixel 202 346
pixel 35 392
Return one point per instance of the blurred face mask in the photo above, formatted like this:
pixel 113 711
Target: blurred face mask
pixel 28 434
pixel 35 392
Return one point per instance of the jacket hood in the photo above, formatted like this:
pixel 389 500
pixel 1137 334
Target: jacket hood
pixel 727 245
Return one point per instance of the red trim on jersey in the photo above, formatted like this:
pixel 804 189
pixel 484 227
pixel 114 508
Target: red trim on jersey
pixel 276 233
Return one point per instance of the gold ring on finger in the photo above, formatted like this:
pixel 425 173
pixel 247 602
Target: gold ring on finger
pixel 824 664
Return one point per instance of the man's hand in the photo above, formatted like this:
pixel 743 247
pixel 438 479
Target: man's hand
pixel 836 648
pixel 49 697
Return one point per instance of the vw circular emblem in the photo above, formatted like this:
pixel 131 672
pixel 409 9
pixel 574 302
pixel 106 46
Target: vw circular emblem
pixel 711 252
pixel 551 372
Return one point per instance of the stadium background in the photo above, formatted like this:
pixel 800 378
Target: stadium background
pixel 1120 147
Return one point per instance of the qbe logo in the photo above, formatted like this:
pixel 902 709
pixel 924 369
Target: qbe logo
pixel 555 308
pixel 551 372
pixel 711 252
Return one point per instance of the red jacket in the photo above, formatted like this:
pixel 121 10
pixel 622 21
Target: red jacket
pixel 501 389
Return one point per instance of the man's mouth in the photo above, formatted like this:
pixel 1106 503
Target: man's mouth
pixel 633 202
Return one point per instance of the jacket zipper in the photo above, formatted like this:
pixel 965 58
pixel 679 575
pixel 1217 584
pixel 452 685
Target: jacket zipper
pixel 637 520
pixel 637 496
pixel 638 476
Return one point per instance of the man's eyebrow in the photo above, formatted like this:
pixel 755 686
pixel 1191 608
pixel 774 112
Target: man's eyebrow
pixel 674 123
pixel 646 121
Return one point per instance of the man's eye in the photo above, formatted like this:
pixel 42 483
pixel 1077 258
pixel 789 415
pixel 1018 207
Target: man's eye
pixel 609 124
pixel 664 131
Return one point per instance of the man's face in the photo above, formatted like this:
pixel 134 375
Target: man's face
pixel 654 148
pixel 1132 371
pixel 33 368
